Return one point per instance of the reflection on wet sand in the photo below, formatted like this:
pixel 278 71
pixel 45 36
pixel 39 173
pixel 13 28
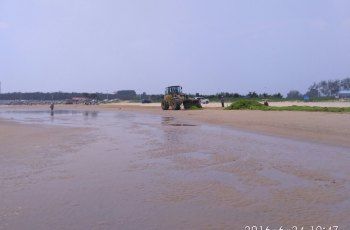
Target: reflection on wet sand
pixel 132 171
pixel 90 114
pixel 170 121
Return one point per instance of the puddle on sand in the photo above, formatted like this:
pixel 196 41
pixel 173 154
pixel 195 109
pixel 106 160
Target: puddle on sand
pixel 181 124
pixel 170 121
pixel 58 117
pixel 167 119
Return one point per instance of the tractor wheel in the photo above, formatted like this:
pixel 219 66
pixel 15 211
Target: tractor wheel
pixel 165 105
pixel 187 104
pixel 177 106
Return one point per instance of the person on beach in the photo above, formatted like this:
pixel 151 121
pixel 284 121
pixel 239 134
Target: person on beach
pixel 52 106
pixel 222 99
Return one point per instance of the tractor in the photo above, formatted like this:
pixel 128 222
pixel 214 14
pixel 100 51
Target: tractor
pixel 174 98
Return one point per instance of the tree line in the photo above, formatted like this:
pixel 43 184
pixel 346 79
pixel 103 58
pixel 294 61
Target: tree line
pixel 57 96
pixel 322 89
pixel 125 95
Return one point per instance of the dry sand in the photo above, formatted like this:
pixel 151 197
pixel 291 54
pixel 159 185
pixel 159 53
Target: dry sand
pixel 320 104
pixel 131 167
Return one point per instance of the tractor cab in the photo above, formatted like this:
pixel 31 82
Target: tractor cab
pixel 173 90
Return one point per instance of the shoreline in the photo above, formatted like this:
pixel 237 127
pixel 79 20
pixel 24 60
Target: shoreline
pixel 321 127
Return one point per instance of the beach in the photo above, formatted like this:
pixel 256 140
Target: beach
pixel 174 115
pixel 330 128
pixel 125 166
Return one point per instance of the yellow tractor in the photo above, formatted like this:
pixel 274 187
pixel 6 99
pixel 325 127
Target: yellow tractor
pixel 174 98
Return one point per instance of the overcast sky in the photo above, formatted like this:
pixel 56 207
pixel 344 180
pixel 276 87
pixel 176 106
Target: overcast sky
pixel 204 45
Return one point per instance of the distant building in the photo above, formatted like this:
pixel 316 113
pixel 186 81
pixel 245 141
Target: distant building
pixel 344 94
pixel 306 98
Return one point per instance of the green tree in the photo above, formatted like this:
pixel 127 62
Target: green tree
pixel 294 94
pixel 345 84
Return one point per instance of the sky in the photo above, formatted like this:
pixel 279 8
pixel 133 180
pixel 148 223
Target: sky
pixel 146 45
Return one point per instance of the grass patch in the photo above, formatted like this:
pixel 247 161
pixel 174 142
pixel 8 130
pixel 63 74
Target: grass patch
pixel 245 104
pixel 195 107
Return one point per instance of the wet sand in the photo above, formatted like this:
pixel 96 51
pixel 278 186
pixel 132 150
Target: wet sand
pixel 127 169
pixel 272 103
pixel 321 127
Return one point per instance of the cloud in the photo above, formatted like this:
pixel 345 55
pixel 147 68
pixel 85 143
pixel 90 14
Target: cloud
pixel 4 25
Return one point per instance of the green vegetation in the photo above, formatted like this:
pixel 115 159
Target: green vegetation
pixel 246 104
pixel 194 107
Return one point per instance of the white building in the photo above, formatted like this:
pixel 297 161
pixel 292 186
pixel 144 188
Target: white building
pixel 344 94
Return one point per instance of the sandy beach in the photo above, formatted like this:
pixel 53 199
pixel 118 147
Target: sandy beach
pixel 174 115
pixel 131 167
pixel 330 128
pixel 216 105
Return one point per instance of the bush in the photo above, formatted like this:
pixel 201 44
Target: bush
pixel 244 104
